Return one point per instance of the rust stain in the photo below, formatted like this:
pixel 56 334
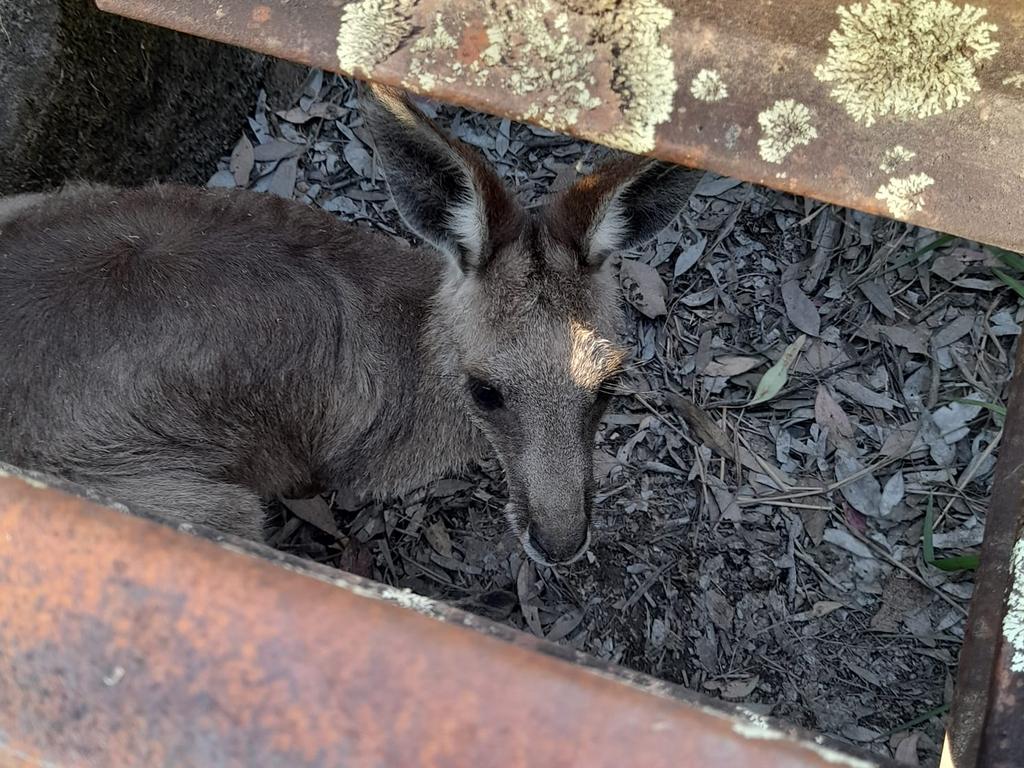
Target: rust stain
pixel 131 644
pixel 627 74
pixel 473 43
pixel 261 14
pixel 988 707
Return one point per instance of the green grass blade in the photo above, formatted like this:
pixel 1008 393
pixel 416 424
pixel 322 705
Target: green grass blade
pixel 1013 260
pixel 938 242
pixel 924 717
pixel 1013 282
pixel 999 410
pixel 960 563
pixel 949 564
pixel 926 534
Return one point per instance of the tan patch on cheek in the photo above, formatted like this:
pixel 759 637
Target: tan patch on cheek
pixel 592 359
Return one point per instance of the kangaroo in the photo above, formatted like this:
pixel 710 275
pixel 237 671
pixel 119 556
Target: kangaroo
pixel 189 351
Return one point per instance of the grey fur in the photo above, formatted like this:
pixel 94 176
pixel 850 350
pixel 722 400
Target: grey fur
pixel 190 351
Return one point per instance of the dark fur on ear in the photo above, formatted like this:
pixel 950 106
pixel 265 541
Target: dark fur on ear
pixel 444 190
pixel 620 206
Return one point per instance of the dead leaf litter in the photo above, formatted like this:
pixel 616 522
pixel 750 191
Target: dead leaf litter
pixel 794 400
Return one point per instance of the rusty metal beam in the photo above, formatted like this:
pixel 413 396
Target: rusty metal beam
pixel 124 642
pixel 987 722
pixel 913 110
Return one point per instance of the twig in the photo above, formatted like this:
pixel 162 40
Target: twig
pixel 967 476
pixel 911 573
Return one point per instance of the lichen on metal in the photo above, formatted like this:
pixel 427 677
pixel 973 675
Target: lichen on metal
pixel 895 157
pixel 144 646
pixel 708 85
pixel 370 31
pixel 785 125
pixel 559 59
pixel 905 195
pixel 942 78
pixel 906 58
pixel 1013 621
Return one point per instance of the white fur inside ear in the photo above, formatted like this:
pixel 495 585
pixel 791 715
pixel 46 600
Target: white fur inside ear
pixel 467 222
pixel 608 231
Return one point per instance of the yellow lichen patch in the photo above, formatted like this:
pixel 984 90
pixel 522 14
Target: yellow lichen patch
pixel 644 70
pixel 592 358
pixel 533 39
pixel 1017 81
pixel 371 30
pixel 906 58
pixel 708 86
pixel 895 157
pixel 438 39
pixel 786 125
pixel 905 195
pixel 559 56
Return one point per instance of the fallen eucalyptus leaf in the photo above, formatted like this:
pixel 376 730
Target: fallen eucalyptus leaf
pixel 775 377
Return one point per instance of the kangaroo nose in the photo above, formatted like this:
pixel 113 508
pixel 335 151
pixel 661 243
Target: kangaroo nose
pixel 557 550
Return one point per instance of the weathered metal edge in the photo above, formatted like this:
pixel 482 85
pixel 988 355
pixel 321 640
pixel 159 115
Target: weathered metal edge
pixel 974 152
pixel 986 728
pixel 128 642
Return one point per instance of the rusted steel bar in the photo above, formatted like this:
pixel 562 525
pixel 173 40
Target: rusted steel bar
pixel 987 722
pixel 910 109
pixel 126 643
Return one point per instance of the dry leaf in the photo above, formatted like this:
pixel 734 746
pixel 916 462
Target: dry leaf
pixel 863 494
pixel 912 340
pixel 775 377
pixel 900 440
pixel 954 331
pixel 437 536
pixel 879 297
pixel 846 540
pixel 702 425
pixel 277 149
pixel 865 396
pixel 731 365
pixel 948 267
pixel 221 180
pixel 360 160
pixel 823 608
pixel 892 494
pixel 800 310
pixel 906 751
pixel 282 183
pixel 952 419
pixel 242 161
pixel 298 116
pixel 830 415
pixel 740 689
pixel 651 293
pixel 690 255
pixel 316 512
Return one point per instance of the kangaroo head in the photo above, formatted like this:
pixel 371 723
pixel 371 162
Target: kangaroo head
pixel 529 304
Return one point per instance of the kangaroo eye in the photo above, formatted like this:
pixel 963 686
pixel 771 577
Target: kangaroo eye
pixel 485 395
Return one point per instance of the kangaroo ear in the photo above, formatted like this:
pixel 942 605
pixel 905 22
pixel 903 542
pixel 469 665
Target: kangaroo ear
pixel 444 191
pixel 620 206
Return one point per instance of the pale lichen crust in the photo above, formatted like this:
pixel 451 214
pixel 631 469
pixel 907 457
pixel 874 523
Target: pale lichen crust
pixel 1013 621
pixel 708 86
pixel 559 58
pixel 904 196
pixel 906 58
pixel 895 157
pixel 785 125
pixel 371 30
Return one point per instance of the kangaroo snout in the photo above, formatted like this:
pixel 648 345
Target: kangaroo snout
pixel 555 546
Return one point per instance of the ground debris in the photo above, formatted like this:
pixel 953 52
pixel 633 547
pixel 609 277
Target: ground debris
pixel 768 553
